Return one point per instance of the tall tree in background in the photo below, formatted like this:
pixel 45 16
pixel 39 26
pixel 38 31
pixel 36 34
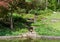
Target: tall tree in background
pixel 58 5
pixel 58 1
pixel 46 4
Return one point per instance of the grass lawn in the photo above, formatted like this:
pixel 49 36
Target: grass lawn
pixel 49 26
pixel 54 20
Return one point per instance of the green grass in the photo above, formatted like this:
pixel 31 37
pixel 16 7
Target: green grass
pixel 43 26
pixel 55 24
pixel 49 26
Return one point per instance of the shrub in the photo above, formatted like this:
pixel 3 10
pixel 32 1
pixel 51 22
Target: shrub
pixel 45 11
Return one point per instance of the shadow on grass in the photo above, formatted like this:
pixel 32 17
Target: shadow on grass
pixel 4 31
pixel 19 25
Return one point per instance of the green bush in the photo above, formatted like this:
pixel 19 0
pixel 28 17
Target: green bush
pixel 19 10
pixel 32 11
pixel 45 11
pixel 39 12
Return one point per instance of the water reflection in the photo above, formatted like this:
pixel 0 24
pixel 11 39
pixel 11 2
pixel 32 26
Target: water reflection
pixel 30 40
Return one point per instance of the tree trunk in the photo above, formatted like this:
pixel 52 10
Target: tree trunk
pixel 11 21
pixel 46 3
pixel 58 1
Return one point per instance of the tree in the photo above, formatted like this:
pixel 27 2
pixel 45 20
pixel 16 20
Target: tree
pixel 58 1
pixel 9 5
pixel 46 4
pixel 52 4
